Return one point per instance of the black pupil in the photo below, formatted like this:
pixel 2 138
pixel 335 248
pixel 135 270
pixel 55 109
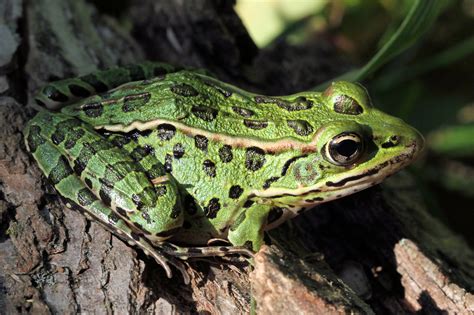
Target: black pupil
pixel 346 147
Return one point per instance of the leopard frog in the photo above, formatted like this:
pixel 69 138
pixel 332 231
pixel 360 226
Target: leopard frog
pixel 171 159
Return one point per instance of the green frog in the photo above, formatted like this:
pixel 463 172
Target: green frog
pixel 171 159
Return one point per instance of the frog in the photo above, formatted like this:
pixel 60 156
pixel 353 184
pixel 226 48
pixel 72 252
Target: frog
pixel 172 159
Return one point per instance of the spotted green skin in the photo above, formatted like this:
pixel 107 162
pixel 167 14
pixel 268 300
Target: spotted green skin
pixel 178 157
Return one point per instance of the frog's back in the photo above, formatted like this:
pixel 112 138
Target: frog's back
pixel 191 101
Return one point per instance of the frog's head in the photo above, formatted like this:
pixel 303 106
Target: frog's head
pixel 356 146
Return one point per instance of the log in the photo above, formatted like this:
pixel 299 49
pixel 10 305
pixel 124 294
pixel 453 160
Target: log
pixel 379 251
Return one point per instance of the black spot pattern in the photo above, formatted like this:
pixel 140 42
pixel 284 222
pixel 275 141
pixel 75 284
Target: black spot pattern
pixel 135 101
pixel 301 127
pixel 274 214
pixel 289 162
pixel 60 171
pixel 190 205
pixel 184 89
pixel 78 90
pixel 54 94
pixel 212 208
pixel 209 168
pixel 88 182
pixel 235 192
pixel 178 150
pixel 93 109
pixel 72 137
pixel 225 153
pixel 244 112
pixel 105 193
pixel 248 203
pixel 93 81
pixel 136 72
pixel 176 211
pixel 269 182
pixel 166 131
pixel 34 138
pixel 205 113
pixel 168 163
pixel 161 190
pixel 255 124
pixel 299 103
pixel 85 197
pixel 201 142
pixel 347 105
pixel 254 158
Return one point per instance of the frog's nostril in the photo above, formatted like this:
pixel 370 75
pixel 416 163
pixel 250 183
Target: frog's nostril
pixel 391 142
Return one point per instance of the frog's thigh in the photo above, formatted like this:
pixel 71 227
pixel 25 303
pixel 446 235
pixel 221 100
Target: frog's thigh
pixel 248 228
pixel 64 147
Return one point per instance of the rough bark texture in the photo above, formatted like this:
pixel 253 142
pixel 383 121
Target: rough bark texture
pixel 377 252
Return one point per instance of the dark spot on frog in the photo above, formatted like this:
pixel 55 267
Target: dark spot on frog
pixel 54 94
pixel 209 168
pixel 168 163
pixel 314 199
pixel 189 205
pixel 212 208
pixel 248 203
pixel 93 81
pixel 166 132
pixel 135 236
pixel 225 153
pixel 254 158
pixel 88 182
pixel 244 112
pixel 178 150
pixel 235 192
pixel 135 101
pixel 301 127
pixel 176 211
pixel 184 89
pixel 78 90
pixel 344 104
pixel 201 142
pixel 146 216
pixel 93 110
pixel 255 124
pixel 299 103
pixel 269 182
pixel 205 113
pixel 113 217
pixel 85 197
pixel 60 171
pixel 136 72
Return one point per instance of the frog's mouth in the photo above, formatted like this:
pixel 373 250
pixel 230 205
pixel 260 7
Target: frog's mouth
pixel 349 184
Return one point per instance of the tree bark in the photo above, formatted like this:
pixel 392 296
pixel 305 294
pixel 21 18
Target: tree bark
pixel 375 252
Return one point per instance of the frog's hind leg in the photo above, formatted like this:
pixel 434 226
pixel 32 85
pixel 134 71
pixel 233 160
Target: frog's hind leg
pixel 59 93
pixel 205 251
pixel 56 142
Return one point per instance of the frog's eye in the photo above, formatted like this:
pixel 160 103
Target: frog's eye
pixel 344 149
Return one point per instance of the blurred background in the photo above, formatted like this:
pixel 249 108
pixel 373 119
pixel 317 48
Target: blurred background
pixel 430 85
pixel 426 76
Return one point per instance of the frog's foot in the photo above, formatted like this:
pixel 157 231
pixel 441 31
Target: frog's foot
pixel 205 251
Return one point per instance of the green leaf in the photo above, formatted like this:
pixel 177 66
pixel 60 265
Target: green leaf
pixel 419 19
pixel 453 141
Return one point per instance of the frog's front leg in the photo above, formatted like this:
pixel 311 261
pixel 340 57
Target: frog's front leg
pixel 248 228
pixel 105 182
